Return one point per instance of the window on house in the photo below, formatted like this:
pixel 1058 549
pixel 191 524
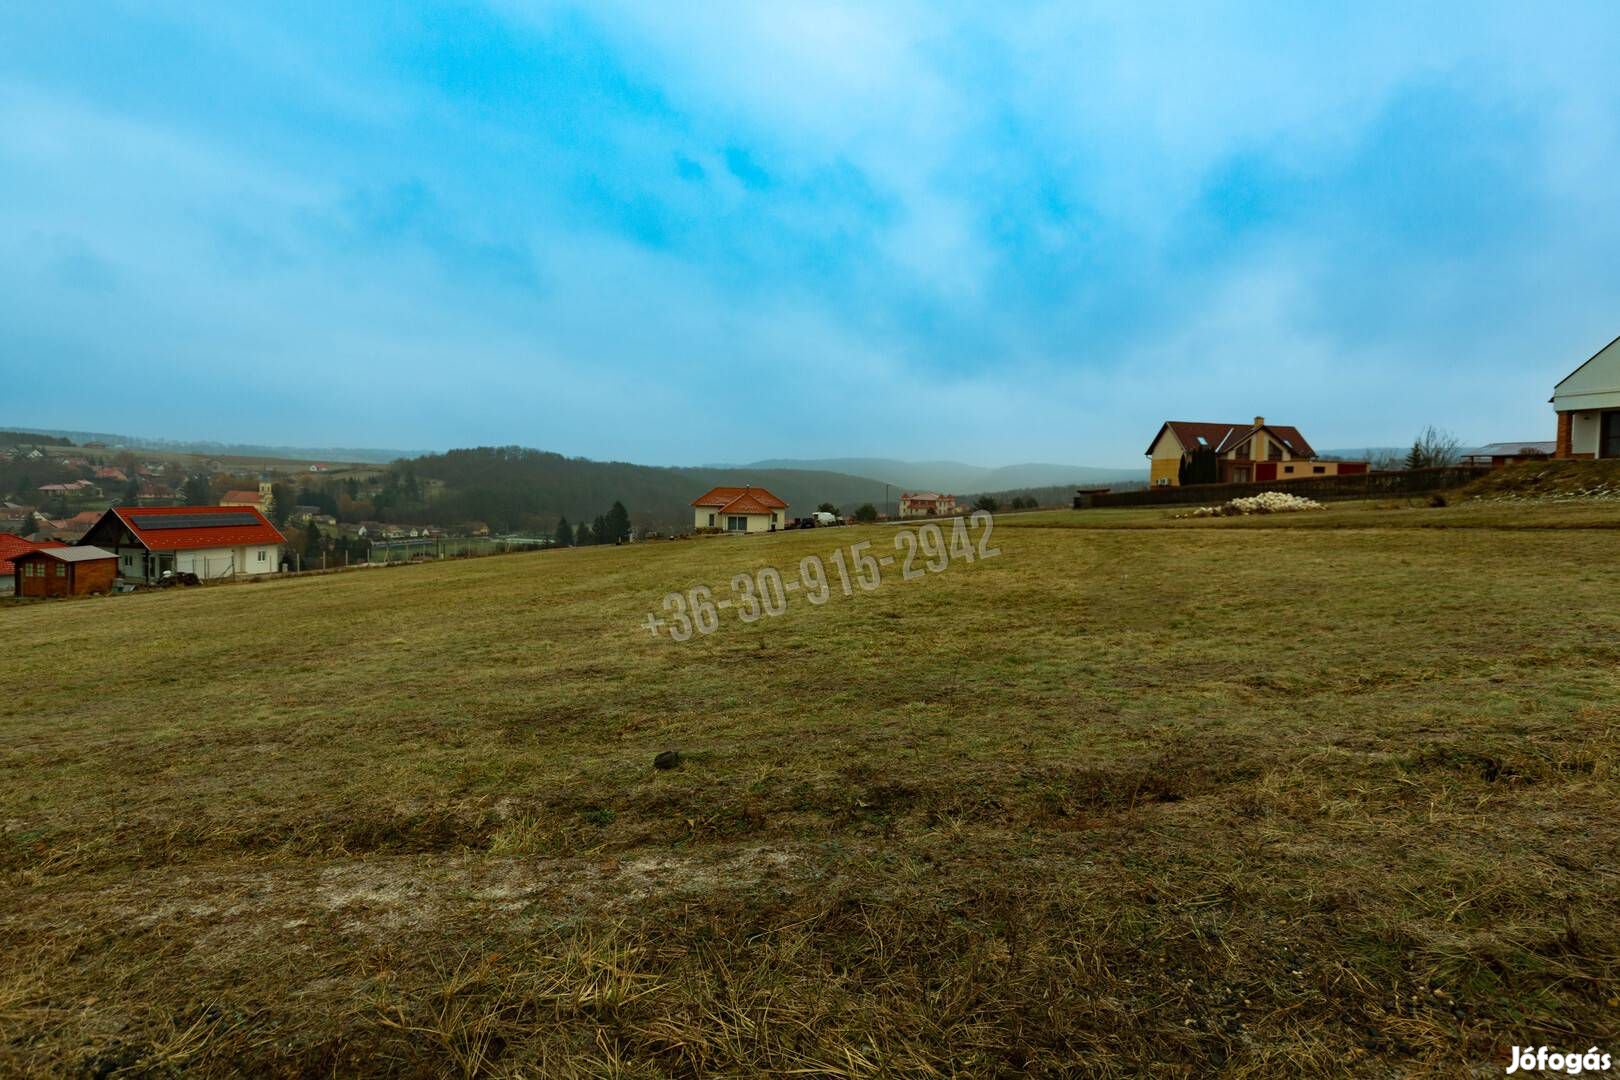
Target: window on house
pixel 1273 451
pixel 736 523
pixel 261 554
pixel 1288 468
pixel 1242 452
pixel 711 521
pixel 1318 468
pixel 61 569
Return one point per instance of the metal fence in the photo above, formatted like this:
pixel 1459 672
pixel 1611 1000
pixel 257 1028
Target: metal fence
pixel 408 549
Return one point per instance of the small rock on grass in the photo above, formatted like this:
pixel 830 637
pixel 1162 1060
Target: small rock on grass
pixel 669 759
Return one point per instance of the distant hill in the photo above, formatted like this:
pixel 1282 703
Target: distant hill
pixel 1365 453
pixel 372 455
pixel 514 487
pixel 954 477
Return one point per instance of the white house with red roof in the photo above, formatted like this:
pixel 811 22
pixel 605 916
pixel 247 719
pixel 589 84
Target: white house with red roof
pixel 739 509
pixel 209 541
pixel 915 504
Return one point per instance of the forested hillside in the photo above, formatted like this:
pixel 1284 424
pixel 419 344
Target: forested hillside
pixel 512 488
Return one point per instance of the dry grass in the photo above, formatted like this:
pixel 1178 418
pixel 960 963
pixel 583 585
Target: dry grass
pixel 1157 797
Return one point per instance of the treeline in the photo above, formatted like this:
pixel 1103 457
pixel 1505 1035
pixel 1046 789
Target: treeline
pixel 1032 497
pixel 514 489
pixel 612 527
pixel 25 438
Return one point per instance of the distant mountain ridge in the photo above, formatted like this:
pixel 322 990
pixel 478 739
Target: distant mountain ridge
pixel 952 477
pixel 367 455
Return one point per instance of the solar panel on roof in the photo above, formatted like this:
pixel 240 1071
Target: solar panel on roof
pixel 154 522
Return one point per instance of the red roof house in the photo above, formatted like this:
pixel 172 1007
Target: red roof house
pixel 926 504
pixel 739 509
pixel 209 541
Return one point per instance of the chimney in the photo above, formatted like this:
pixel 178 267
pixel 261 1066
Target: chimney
pixel 1259 421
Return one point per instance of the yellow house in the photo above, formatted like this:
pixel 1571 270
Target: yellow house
pixel 1193 452
pixel 739 509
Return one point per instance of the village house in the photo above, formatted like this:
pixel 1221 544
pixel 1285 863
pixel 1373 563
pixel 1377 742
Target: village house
pixel 209 541
pixel 156 494
pixel 64 571
pixel 1188 452
pixel 261 500
pixel 80 489
pixel 1587 402
pixel 1500 454
pixel 739 509
pixel 926 504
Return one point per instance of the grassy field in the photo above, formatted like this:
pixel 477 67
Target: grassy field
pixel 1138 795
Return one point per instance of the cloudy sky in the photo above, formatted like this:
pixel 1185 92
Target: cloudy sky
pixel 676 233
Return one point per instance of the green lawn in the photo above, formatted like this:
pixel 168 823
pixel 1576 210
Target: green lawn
pixel 1138 795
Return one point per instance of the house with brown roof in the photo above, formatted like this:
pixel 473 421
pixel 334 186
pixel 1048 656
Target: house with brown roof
pixel 1194 452
pixel 739 509
pixel 209 541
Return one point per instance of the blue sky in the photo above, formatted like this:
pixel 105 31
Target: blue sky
pixel 684 233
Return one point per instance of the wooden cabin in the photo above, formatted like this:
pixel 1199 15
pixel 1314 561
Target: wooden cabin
pixel 64 571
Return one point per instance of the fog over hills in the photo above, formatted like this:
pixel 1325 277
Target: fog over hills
pixel 954 477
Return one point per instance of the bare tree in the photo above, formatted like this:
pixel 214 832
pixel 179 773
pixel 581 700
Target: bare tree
pixel 1438 448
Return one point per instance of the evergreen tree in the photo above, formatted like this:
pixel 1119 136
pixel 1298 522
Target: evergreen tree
pixel 196 491
pixel 582 536
pixel 281 504
pixel 564 536
pixel 618 524
pixel 313 548
pixel 826 508
pixel 866 512
pixel 1414 456
pixel 599 530
pixel 985 502
pixel 132 493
